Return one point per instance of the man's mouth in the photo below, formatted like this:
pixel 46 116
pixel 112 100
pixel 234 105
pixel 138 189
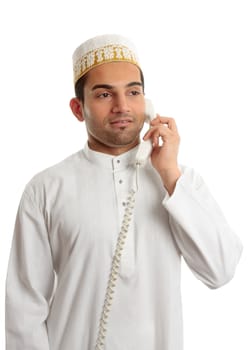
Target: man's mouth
pixel 121 122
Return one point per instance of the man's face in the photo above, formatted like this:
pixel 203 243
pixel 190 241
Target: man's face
pixel 113 107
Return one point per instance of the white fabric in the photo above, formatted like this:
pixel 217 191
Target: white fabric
pixel 67 225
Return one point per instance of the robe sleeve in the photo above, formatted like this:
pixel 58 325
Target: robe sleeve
pixel 201 232
pixel 30 281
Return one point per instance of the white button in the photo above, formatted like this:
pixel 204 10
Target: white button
pixel 118 161
pixel 120 181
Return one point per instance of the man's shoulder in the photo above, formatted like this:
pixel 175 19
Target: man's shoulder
pixel 59 170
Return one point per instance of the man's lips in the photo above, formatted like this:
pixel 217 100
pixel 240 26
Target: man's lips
pixel 121 122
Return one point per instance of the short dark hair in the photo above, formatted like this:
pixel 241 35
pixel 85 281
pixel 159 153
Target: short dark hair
pixel 79 86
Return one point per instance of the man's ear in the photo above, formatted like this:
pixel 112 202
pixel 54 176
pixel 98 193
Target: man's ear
pixel 77 109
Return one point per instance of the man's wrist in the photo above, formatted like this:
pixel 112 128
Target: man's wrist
pixel 169 178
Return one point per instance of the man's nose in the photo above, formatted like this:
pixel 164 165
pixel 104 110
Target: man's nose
pixel 120 105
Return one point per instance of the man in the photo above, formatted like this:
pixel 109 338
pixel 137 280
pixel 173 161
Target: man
pixel 95 260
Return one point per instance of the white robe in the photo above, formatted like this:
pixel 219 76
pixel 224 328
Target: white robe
pixel 65 235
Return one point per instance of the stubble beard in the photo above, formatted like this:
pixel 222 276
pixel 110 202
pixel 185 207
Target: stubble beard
pixel 120 138
pixel 109 137
pixel 106 136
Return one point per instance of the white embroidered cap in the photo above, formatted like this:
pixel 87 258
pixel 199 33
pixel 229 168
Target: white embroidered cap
pixel 102 49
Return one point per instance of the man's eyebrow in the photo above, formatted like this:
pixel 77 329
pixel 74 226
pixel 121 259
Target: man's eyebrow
pixel 110 87
pixel 133 83
pixel 102 86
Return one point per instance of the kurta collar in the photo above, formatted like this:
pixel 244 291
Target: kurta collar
pixel 109 161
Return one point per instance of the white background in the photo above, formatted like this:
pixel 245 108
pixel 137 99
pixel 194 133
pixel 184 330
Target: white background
pixel 196 60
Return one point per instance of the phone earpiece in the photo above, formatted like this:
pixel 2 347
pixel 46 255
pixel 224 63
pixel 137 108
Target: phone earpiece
pixel 145 147
pixel 149 110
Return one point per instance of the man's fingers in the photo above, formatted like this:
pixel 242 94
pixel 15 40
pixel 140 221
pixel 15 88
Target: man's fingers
pixel 157 131
pixel 170 122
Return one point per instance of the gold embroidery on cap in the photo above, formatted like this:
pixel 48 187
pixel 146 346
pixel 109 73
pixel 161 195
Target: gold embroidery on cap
pixel 102 55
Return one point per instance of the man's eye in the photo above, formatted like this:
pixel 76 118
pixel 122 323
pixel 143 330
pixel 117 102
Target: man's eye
pixel 104 95
pixel 135 92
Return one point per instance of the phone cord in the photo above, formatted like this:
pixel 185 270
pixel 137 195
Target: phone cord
pixel 116 261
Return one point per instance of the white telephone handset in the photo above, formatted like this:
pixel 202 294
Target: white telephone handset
pixel 145 147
